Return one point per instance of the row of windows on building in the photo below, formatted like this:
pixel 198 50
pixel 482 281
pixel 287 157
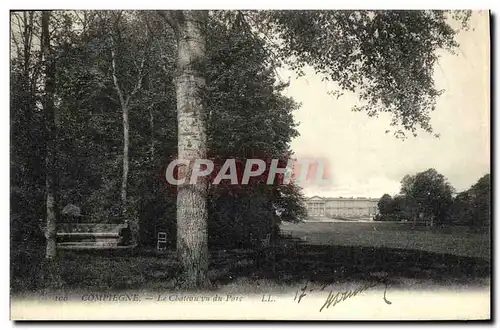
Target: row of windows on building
pixel 355 207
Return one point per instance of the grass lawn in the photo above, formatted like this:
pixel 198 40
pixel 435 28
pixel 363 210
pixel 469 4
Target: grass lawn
pixel 457 241
pixel 329 253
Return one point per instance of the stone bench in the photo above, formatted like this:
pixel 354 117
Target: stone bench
pixel 80 236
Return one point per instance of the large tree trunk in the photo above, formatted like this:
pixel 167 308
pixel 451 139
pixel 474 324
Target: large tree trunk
pixel 192 236
pixel 50 130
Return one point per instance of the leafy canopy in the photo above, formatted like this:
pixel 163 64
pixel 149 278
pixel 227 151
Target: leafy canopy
pixel 385 57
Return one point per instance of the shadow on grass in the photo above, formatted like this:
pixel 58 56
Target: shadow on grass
pixel 297 263
pixel 290 263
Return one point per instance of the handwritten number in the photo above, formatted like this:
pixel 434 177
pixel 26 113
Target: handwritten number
pixel 302 294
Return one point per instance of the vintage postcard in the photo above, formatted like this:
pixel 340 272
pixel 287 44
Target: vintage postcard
pixel 250 165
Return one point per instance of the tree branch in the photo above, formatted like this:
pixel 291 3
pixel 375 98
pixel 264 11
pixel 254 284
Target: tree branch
pixel 168 16
pixel 115 78
pixel 273 56
pixel 139 77
pixel 16 43
pixel 126 97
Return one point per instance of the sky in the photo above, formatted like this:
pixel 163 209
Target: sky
pixel 365 161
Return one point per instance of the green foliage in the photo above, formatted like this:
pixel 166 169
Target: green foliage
pixel 428 194
pixel 248 118
pixel 473 206
pixel 386 57
pixel 462 210
pixel 91 127
pixel 481 201
pixel 27 138
pixel 385 205
pixel 392 209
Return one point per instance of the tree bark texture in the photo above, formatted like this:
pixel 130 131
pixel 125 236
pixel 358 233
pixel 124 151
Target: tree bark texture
pixel 50 133
pixel 192 217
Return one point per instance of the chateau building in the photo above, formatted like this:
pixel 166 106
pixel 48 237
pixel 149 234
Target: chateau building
pixel 349 207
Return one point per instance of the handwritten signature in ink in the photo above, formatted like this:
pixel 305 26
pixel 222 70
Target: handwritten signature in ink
pixel 336 297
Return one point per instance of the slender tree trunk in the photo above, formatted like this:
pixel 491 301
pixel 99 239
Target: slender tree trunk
pixel 152 128
pixel 192 236
pixel 125 101
pixel 50 128
pixel 123 193
pixel 130 218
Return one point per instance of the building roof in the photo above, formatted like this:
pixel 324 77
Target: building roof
pixel 342 198
pixel 315 197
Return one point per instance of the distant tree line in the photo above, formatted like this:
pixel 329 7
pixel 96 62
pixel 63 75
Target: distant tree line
pixel 427 197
